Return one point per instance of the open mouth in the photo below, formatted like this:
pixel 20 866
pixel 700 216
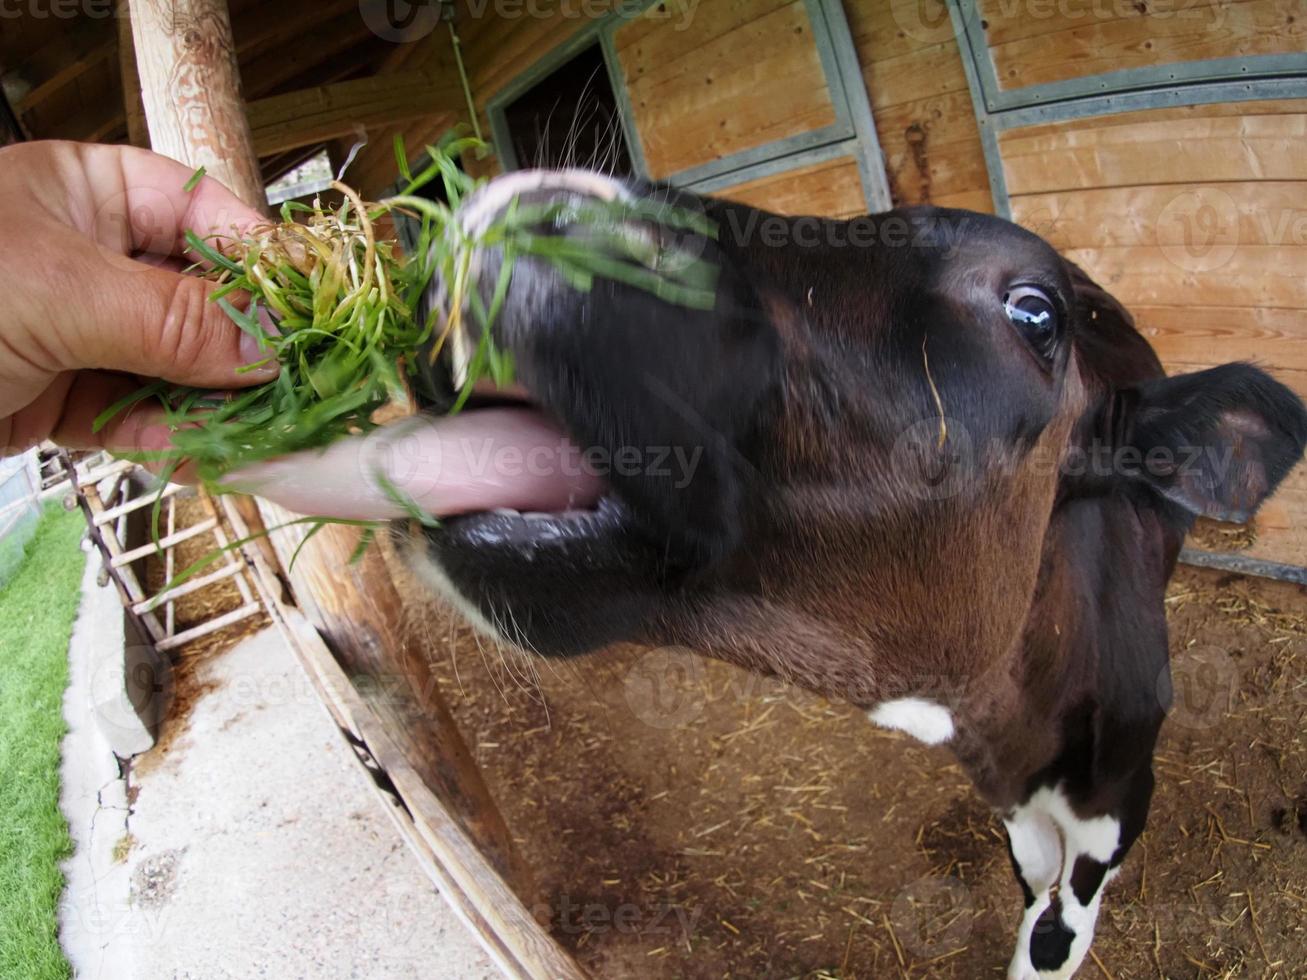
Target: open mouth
pixel 502 473
pixel 512 478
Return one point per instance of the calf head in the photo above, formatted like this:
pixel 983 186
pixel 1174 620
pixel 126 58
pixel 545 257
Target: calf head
pixel 846 470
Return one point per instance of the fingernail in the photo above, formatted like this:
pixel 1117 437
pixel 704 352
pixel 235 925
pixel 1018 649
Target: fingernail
pixel 252 353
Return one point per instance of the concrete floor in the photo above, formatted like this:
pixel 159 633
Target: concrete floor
pixel 252 846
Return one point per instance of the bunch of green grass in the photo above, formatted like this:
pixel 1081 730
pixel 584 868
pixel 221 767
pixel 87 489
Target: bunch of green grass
pixel 345 304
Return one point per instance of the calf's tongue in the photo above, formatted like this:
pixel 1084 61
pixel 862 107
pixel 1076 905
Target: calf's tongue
pixel 477 461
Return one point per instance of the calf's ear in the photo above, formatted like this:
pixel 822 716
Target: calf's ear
pixel 1216 442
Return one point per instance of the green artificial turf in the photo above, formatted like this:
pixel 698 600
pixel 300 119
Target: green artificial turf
pixel 37 609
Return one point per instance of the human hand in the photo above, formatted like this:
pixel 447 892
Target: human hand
pixel 91 241
pixel 91 238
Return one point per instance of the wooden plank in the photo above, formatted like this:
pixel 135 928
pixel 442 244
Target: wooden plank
pixel 929 73
pixel 187 588
pixel 759 81
pixel 1102 44
pixel 1261 212
pixel 208 628
pixel 106 468
pixel 255 32
pixel 1196 151
pixel 921 102
pixel 654 44
pixel 884 29
pixel 170 570
pixel 138 134
pixel 693 20
pixel 1163 126
pixel 1013 20
pixel 169 541
pixel 320 114
pixel 829 189
pixel 137 503
pixel 494 60
pixel 980 200
pixel 1250 275
pixel 83 45
pixel 1274 339
pixel 920 172
pixel 321 39
pixel 1218 110
pixel 942 118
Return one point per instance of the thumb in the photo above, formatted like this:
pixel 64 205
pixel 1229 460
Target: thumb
pixel 160 324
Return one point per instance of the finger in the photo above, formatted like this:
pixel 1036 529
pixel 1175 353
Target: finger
pixel 86 396
pixel 140 202
pixel 138 431
pixel 159 324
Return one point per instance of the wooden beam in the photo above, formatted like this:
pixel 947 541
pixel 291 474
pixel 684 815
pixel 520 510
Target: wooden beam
pixel 326 112
pixel 88 42
pixel 190 83
pixel 322 43
pixel 257 28
pixel 11 129
pixel 138 134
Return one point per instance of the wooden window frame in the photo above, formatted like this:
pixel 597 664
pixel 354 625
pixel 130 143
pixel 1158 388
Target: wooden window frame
pixel 852 134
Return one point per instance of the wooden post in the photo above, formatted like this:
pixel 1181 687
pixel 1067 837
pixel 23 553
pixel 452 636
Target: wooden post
pixel 133 108
pixel 191 88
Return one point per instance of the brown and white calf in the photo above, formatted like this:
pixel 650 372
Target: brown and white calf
pixel 925 465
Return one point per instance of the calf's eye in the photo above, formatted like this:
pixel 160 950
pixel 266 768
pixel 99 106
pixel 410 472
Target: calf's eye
pixel 1034 315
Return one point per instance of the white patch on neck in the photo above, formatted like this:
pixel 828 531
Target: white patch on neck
pixel 923 720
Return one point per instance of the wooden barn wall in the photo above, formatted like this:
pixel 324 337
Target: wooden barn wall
pixel 747 72
pixel 1196 219
pixel 1039 41
pixel 743 75
pixel 831 189
pixel 920 102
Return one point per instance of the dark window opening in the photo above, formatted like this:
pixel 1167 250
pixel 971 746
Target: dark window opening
pixel 570 119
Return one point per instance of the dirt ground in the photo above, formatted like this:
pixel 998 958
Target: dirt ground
pixel 187 683
pixel 690 820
